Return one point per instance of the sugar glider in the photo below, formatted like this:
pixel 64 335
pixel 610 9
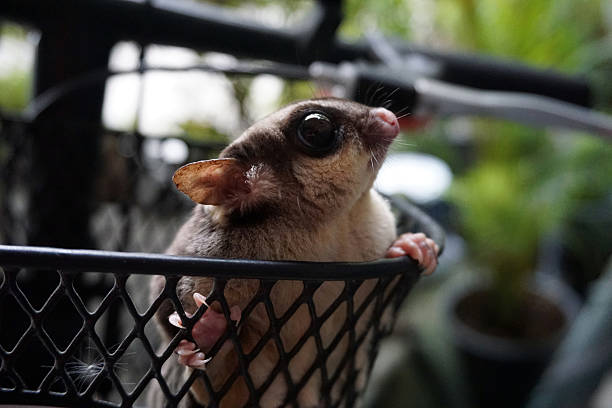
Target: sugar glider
pixel 297 185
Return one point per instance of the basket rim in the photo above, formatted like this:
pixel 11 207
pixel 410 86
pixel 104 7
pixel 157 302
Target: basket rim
pixel 123 263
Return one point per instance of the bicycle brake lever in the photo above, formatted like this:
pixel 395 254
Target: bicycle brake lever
pixel 440 98
pixel 403 90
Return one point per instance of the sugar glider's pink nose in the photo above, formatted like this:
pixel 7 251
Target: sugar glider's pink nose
pixel 386 116
pixel 383 126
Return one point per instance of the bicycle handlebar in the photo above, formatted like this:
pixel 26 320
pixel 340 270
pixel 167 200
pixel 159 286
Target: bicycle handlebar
pixel 213 28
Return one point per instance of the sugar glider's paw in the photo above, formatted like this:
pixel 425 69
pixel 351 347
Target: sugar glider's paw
pixel 418 247
pixel 206 331
pixel 190 355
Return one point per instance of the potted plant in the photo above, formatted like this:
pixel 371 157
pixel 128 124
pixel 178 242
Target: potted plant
pixel 505 327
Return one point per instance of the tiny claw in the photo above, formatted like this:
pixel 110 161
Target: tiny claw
pixel 175 320
pixel 201 357
pixel 199 361
pixel 418 247
pixel 186 352
pixel 395 252
pixel 235 314
pixel 199 299
pixel 190 355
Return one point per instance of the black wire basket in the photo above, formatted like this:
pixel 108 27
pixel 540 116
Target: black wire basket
pixel 60 347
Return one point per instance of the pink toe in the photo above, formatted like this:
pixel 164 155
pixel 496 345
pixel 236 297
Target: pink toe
pixel 395 252
pixel 186 352
pixel 418 247
pixel 209 329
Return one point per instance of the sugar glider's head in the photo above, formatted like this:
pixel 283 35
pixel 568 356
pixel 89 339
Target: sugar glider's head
pixel 312 158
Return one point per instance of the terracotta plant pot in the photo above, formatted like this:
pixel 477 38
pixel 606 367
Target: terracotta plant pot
pixel 500 371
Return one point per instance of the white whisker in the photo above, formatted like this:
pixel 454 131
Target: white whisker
pixel 404 115
pixel 405 144
pixel 401 111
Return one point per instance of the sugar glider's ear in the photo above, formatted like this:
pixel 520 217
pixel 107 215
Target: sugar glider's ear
pixel 226 182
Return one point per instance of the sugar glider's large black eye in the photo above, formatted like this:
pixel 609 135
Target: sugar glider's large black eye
pixel 317 133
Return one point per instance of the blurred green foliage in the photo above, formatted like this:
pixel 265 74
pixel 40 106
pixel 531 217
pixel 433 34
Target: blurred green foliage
pixel 503 215
pixel 390 17
pixel 202 132
pixel 547 33
pixel 523 184
pixel 295 91
pixel 15 85
pixel 15 90
pixel 13 30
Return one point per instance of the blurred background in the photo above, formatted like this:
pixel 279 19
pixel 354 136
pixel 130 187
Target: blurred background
pixel 527 210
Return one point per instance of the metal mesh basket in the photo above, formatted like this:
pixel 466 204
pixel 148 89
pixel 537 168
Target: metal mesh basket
pixel 61 345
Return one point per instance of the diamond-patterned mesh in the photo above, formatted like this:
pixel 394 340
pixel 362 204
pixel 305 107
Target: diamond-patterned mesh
pixel 86 365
